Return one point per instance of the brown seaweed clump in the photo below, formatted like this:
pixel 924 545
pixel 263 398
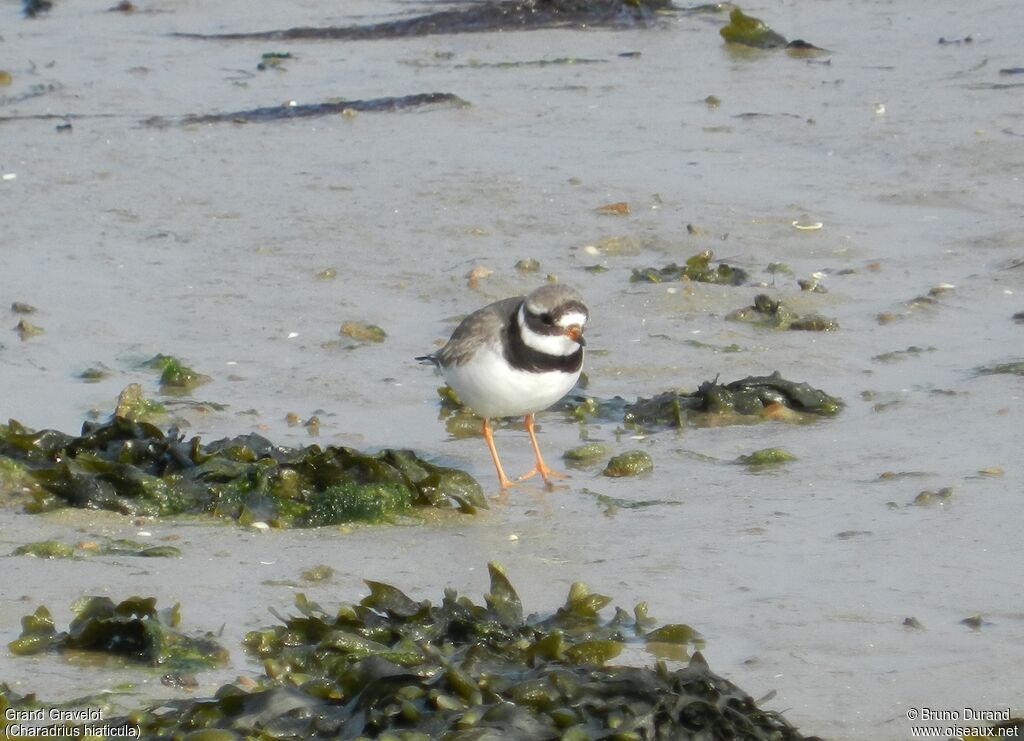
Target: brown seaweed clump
pixel 697 268
pixel 753 398
pixel 749 400
pixel 768 312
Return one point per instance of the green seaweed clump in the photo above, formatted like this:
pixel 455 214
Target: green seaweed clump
pixel 362 332
pixel 273 60
pixel 927 497
pixel 1015 368
pixel 750 31
pixel 136 469
pixel 697 268
pixel 93 374
pixel 133 406
pixel 479 17
pixel 134 629
pixel 585 455
pixel 175 376
pixel 630 463
pixel 746 30
pixel 749 399
pixel 358 502
pixel 125 547
pixel 394 667
pixel 45 549
pixel 287 112
pixel 321 572
pixel 110 547
pixel 768 312
pixel 766 457
pixel 893 356
pixel 613 504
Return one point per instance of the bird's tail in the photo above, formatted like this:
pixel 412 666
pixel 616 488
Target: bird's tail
pixel 427 359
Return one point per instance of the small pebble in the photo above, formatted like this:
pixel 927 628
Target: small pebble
pixel 974 622
pixel 26 330
pixel 313 426
pixel 477 274
pixel 614 209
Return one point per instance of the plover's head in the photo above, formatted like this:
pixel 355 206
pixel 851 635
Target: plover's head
pixel 552 319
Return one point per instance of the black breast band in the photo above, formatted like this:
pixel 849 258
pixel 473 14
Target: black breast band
pixel 525 358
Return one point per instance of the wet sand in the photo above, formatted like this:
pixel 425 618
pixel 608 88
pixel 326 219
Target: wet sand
pixel 205 242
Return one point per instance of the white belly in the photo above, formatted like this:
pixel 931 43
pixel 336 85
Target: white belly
pixel 493 389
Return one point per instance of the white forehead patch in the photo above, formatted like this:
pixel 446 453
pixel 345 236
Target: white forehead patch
pixel 574 318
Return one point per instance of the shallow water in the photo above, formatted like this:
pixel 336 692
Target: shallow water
pixel 205 243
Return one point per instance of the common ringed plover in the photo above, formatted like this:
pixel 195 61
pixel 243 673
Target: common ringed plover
pixel 517 356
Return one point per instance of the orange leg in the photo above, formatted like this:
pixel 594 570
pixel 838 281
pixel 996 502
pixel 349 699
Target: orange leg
pixel 545 473
pixel 503 480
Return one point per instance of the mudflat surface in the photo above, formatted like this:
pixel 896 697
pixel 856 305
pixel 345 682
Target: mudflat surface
pixel 205 242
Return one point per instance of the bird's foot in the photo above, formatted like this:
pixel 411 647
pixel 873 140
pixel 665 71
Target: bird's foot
pixel 545 473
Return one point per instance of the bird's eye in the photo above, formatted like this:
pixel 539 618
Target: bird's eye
pixel 547 319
